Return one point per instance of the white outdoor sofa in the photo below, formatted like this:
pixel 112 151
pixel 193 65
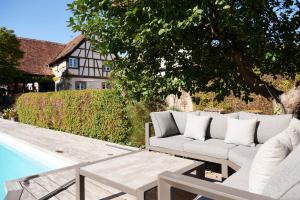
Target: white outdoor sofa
pixel 285 184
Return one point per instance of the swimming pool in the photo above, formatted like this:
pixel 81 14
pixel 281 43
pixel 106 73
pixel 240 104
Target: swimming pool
pixel 15 165
pixel 18 159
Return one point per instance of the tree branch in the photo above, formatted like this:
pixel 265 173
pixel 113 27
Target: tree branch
pixel 245 69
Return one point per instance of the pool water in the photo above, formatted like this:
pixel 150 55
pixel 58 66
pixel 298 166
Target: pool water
pixel 15 165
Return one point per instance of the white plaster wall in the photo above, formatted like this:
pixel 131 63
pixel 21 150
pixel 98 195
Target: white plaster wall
pixel 91 83
pixel 59 68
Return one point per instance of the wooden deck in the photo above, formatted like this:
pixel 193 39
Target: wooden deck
pixel 76 148
pixel 39 186
pixel 36 187
pixel 67 146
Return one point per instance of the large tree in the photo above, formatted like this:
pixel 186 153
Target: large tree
pixel 224 46
pixel 10 54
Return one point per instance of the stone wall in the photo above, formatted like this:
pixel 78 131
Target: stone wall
pixel 184 103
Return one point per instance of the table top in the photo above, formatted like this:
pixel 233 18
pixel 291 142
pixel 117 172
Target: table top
pixel 138 169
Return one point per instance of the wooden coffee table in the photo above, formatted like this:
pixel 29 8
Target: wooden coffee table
pixel 135 173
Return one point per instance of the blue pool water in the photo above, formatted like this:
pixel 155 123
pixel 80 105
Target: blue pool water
pixel 16 165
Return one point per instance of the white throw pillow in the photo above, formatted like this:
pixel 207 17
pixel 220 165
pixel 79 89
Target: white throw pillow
pixel 269 156
pixel 240 132
pixel 196 126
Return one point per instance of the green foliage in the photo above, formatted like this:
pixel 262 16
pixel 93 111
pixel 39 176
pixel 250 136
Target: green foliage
pixel 92 113
pixel 10 54
pixel 219 46
pixel 9 113
pixel 204 101
pixel 101 114
pixel 138 114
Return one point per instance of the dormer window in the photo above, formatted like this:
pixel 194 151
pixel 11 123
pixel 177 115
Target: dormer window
pixel 73 62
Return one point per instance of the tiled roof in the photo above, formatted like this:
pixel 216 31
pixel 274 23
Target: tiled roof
pixel 37 55
pixel 69 47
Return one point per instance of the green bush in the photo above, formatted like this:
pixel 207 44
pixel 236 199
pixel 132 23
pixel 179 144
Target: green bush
pixel 138 114
pixel 100 114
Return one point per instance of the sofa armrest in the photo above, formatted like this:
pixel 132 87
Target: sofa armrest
pixel 168 180
pixel 148 126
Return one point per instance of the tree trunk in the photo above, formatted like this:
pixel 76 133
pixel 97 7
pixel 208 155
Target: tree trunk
pixel 288 102
pixel 283 103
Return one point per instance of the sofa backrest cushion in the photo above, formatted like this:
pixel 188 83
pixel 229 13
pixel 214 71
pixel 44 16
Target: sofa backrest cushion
pixel 285 182
pixel 218 124
pixel 269 156
pixel 180 119
pixel 295 124
pixel 268 125
pixel 164 124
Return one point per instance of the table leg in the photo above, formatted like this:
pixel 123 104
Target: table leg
pixel 200 171
pixel 140 195
pixel 164 190
pixel 80 187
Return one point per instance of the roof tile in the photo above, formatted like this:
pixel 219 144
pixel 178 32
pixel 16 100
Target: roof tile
pixel 38 54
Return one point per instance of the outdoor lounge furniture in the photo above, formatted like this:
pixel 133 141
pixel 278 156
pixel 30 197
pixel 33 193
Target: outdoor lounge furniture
pixel 213 149
pixel 283 184
pixel 135 173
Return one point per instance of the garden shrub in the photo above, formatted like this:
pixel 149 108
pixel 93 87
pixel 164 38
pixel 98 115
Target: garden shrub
pixel 100 114
pixel 138 114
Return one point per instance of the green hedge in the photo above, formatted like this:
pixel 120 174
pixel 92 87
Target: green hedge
pixel 100 114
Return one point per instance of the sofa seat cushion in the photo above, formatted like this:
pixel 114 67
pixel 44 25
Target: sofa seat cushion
pixel 268 125
pixel 240 179
pixel 285 181
pixel 241 155
pixel 212 147
pixel 173 142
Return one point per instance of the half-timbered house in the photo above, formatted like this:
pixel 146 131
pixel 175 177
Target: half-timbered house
pixel 79 67
pixel 49 65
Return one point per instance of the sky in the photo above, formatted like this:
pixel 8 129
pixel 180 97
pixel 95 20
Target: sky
pixel 37 19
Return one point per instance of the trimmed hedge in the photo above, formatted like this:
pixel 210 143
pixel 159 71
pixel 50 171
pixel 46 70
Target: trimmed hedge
pixel 100 114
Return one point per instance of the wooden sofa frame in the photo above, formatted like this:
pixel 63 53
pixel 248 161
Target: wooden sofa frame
pixel 223 162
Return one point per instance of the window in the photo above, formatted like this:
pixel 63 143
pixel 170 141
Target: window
pixel 106 85
pixel 73 62
pixel 80 85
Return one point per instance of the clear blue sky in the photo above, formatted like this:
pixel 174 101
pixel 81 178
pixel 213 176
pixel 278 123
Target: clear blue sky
pixel 37 19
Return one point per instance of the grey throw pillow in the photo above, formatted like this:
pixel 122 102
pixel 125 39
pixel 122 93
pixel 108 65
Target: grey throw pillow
pixel 164 124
